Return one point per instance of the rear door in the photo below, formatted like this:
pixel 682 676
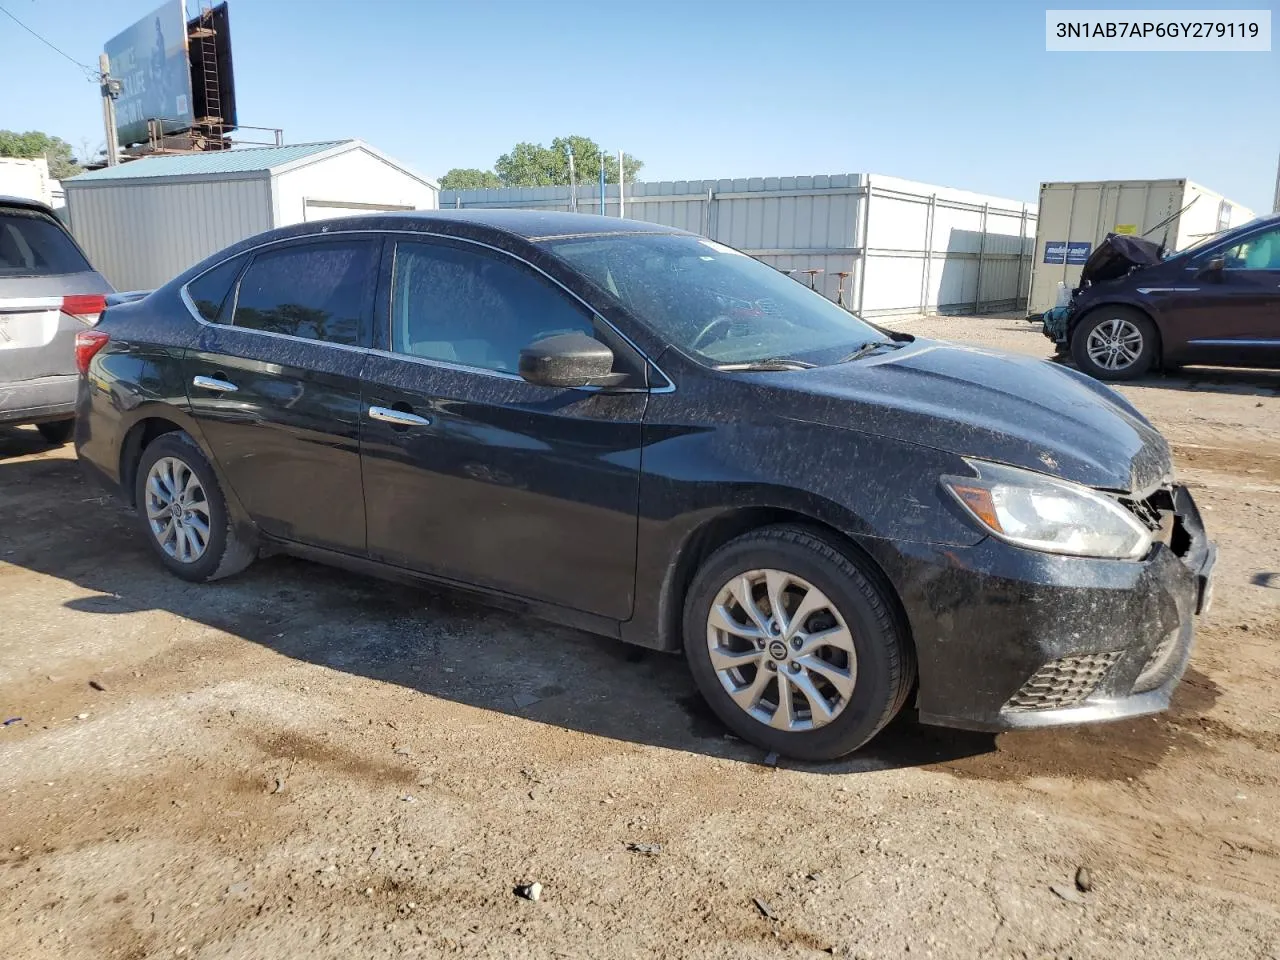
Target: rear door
pixel 46 284
pixel 274 383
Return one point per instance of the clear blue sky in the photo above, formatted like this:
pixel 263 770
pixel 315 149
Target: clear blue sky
pixel 956 93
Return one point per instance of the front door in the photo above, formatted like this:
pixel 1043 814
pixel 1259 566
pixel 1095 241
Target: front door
pixel 274 384
pixel 473 474
pixel 1233 317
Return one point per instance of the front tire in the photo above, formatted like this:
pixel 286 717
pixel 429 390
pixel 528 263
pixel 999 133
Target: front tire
pixel 184 514
pixel 1114 343
pixel 795 644
pixel 57 432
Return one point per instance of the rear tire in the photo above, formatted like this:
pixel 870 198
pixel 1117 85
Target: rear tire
pixel 57 432
pixel 839 647
pixel 184 514
pixel 1114 343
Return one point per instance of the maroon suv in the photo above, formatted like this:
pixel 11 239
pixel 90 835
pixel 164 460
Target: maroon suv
pixel 1215 303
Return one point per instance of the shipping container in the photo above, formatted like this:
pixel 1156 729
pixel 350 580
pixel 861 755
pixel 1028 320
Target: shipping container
pixel 880 245
pixel 146 221
pixel 1076 216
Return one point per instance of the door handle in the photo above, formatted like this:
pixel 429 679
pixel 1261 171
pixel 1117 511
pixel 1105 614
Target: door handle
pixel 214 384
pixel 401 418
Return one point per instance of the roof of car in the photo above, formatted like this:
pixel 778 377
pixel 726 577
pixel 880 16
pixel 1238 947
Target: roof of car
pixel 26 203
pixel 535 224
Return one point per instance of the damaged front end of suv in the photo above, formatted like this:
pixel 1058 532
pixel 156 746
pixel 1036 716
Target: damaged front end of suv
pixel 1117 256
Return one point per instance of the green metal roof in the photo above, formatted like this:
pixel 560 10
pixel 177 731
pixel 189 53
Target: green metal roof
pixel 248 160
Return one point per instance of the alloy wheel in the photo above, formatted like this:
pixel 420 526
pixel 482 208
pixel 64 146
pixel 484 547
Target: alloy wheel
pixel 1114 344
pixel 177 510
pixel 781 650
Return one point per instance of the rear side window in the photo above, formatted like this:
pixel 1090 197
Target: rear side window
pixel 209 291
pixel 320 291
pixel 34 245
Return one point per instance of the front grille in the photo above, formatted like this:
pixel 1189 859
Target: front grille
pixel 1152 674
pixel 1145 510
pixel 1157 513
pixel 1063 683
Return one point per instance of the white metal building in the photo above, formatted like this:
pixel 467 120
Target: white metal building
pixel 143 222
pixel 905 247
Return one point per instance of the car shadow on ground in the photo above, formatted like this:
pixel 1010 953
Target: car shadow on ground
pixel 1232 380
pixel 1245 382
pixel 439 642
pixel 447 645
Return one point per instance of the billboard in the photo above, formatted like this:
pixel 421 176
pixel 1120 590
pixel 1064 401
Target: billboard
pixel 151 62
pixel 212 58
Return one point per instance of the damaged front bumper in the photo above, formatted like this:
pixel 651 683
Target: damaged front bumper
pixel 1009 638
pixel 1054 323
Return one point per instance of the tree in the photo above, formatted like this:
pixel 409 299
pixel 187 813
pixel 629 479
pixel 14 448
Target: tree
pixel 533 165
pixel 33 144
pixel 469 178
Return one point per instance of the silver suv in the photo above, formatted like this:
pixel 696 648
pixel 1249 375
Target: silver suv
pixel 48 291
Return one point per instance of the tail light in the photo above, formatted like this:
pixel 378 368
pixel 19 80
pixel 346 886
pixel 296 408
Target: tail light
pixel 85 307
pixel 88 343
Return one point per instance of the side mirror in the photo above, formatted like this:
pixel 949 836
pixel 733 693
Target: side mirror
pixel 1213 268
pixel 566 360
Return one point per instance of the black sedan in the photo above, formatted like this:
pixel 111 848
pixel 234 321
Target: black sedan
pixel 649 435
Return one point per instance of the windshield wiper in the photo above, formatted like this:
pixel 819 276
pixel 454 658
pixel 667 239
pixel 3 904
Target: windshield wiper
pixel 769 363
pixel 869 347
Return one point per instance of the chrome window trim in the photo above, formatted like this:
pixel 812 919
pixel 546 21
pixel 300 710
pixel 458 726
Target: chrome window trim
pixel 1145 290
pixel 445 364
pixel 668 387
pixel 191 307
pixel 500 374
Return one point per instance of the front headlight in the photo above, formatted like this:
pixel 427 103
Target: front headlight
pixel 1043 513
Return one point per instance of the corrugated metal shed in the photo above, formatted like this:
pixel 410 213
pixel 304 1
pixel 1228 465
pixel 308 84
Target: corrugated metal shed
pixel 248 160
pixel 902 246
pixel 145 221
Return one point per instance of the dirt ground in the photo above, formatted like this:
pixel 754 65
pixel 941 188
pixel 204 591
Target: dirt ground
pixel 303 763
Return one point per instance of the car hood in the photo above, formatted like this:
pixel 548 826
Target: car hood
pixel 988 405
pixel 1116 255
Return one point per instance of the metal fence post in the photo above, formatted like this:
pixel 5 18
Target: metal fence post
pixel 866 240
pixel 928 252
pixel 1022 255
pixel 982 252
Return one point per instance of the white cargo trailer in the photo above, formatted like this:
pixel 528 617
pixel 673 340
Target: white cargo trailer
pixel 28 179
pixel 1076 216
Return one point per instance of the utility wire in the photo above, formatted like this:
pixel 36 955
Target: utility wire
pixel 90 73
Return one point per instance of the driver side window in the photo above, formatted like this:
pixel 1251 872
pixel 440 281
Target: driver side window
pixel 473 307
pixel 1259 252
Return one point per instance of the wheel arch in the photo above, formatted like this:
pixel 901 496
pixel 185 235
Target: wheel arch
pixel 156 420
pixel 138 437
pixel 716 531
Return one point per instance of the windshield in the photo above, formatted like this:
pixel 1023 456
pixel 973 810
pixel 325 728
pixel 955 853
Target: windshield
pixel 713 302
